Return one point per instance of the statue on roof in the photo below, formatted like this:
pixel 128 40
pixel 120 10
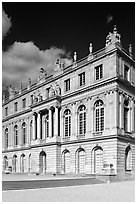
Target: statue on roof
pixel 113 37
pixel 57 65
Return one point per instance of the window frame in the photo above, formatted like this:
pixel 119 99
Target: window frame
pixel 6 138
pixel 126 72
pixel 24 133
pixel 99 116
pixel 6 111
pixel 15 106
pixel 82 120
pixel 67 123
pixel 24 103
pixel 15 135
pixel 82 80
pixel 100 72
pixel 67 85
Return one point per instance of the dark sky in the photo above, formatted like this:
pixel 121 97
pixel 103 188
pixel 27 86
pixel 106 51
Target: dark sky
pixel 69 25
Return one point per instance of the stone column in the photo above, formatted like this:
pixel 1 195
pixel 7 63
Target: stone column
pixel 34 127
pixel 20 133
pixel 121 111
pixel 43 127
pixel 39 125
pixel 50 122
pixel 132 116
pixel 28 131
pixel 56 122
pixel 129 117
pixel 88 119
pixel 73 121
pixel 10 136
pixel 116 109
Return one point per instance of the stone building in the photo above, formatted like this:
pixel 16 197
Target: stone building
pixel 80 119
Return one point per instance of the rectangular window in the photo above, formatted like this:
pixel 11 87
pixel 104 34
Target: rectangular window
pixel 82 79
pixel 126 73
pixel 24 103
pixel 16 106
pixel 67 85
pixel 6 111
pixel 99 72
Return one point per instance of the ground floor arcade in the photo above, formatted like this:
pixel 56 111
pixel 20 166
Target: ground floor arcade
pixel 109 156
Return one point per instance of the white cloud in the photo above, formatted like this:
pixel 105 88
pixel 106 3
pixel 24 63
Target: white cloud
pixel 24 60
pixel 6 24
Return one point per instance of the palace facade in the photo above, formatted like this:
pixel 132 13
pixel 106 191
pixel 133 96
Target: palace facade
pixel 80 119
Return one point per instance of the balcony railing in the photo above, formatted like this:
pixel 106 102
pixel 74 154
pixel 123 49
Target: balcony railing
pixel 66 138
pixel 82 136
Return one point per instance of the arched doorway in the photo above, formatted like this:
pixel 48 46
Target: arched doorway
pixel 5 163
pixel 14 163
pixel 29 166
pixel 66 161
pixel 81 161
pixel 97 160
pixel 128 159
pixel 22 163
pixel 42 162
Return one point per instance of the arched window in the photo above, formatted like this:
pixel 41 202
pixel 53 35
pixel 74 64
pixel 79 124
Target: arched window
pixel 6 138
pixel 47 125
pixel 80 161
pixel 15 135
pixel 31 132
pixel 126 115
pixel 14 163
pixel 22 163
pixel 82 120
pixel 99 116
pixel 67 123
pixel 42 162
pixel 128 159
pixel 24 133
pixel 97 160
pixel 66 161
pixel 5 162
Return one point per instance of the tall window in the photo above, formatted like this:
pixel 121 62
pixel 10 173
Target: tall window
pixel 126 72
pixel 82 120
pixel 31 132
pixel 47 125
pixel 82 79
pixel 126 113
pixel 67 123
pixel 99 116
pixel 99 72
pixel 24 103
pixel 6 138
pixel 15 135
pixel 16 106
pixel 24 133
pixel 6 111
pixel 67 85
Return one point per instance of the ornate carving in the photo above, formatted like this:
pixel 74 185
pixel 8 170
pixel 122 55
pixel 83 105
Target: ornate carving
pixel 37 97
pixel 113 37
pixel 51 91
pixel 57 90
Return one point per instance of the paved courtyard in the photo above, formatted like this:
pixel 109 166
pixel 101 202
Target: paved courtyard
pixel 106 192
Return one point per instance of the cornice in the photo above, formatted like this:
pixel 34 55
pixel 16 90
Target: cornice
pixel 16 115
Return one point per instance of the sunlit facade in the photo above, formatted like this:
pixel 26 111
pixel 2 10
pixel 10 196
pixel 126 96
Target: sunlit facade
pixel 78 120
